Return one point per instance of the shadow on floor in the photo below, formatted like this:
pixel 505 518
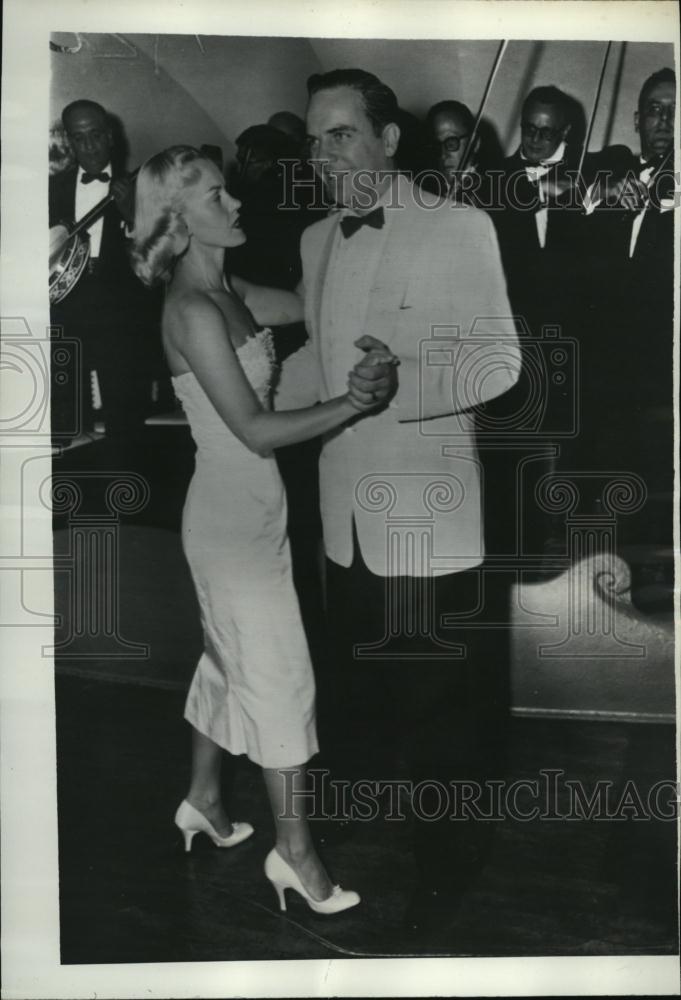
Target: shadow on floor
pixel 129 893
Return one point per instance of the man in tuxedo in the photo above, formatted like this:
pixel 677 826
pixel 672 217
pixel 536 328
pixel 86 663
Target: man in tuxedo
pixel 109 312
pixel 628 248
pixel 400 491
pixel 536 211
pixel 526 206
pixel 534 231
pixel 631 207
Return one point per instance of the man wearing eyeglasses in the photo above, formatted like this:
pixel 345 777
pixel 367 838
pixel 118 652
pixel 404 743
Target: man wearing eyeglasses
pixel 532 178
pixel 449 125
pixel 533 227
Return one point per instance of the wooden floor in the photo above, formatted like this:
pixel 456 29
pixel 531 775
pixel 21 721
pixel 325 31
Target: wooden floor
pixel 552 887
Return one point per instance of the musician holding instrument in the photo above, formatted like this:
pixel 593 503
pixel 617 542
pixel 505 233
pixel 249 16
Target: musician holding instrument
pixel 642 190
pixel 628 253
pixel 532 226
pixel 527 192
pixel 459 156
pixel 96 299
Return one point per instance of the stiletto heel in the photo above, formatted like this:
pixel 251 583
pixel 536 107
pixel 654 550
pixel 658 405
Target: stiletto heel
pixel 190 821
pixel 283 877
pixel 279 889
pixel 188 837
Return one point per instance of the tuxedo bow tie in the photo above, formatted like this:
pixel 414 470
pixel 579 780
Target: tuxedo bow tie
pixel 653 161
pixel 351 223
pixel 537 170
pixel 88 178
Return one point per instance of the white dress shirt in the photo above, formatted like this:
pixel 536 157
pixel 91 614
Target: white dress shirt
pixel 87 196
pixel 645 175
pixel 535 171
pixel 353 262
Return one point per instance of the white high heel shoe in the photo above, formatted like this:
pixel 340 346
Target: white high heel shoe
pixel 191 822
pixel 283 877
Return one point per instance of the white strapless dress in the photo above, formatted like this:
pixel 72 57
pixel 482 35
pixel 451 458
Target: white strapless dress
pixel 253 691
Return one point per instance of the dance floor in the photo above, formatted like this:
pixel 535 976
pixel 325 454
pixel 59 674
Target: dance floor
pixel 129 893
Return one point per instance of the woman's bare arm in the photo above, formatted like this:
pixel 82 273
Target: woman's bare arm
pixel 269 306
pixel 204 344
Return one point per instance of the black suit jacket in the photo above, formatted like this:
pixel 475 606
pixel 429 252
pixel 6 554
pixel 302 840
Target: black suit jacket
pixel 112 297
pixel 636 290
pixel 533 273
pixel 628 306
pixel 542 281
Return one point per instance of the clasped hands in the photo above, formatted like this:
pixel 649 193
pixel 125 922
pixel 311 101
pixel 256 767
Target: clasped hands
pixel 373 380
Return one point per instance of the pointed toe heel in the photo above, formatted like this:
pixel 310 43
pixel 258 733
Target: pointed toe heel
pixel 283 877
pixel 190 821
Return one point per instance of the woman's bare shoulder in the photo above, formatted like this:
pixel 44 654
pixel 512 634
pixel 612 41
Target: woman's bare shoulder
pixel 187 311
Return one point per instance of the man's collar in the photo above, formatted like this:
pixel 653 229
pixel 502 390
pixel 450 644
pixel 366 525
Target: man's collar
pixel 555 157
pixel 389 198
pixel 104 170
pixel 654 160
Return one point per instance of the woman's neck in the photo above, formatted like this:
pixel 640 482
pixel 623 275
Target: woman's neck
pixel 201 269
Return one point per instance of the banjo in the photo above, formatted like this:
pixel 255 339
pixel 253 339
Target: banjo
pixel 70 250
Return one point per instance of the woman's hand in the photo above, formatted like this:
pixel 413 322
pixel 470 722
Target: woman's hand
pixel 373 381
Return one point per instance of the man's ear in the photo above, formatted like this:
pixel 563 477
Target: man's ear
pixel 636 120
pixel 391 138
pixel 564 133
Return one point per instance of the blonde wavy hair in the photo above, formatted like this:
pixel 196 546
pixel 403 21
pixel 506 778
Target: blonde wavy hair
pixel 160 235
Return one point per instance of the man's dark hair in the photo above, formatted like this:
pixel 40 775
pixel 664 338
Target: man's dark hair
pixel 552 96
pixel 665 75
pixel 380 103
pixel 289 124
pixel 450 108
pixel 267 142
pixel 82 105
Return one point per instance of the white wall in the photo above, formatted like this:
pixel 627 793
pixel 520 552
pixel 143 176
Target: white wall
pixel 424 72
pixel 173 88
pixel 169 88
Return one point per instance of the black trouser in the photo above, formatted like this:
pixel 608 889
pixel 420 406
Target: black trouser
pixel 444 715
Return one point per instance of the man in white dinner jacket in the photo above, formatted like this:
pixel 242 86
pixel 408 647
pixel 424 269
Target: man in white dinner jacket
pixel 420 280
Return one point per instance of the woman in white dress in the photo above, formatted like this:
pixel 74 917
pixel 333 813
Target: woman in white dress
pixel 253 690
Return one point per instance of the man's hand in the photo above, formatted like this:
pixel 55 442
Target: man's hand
pixel 373 381
pixel 628 193
pixel 123 191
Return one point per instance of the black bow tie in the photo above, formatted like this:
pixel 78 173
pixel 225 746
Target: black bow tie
pixel 88 178
pixel 653 163
pixel 351 223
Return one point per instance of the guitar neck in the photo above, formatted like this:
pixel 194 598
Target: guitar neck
pixel 98 210
pixel 92 215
